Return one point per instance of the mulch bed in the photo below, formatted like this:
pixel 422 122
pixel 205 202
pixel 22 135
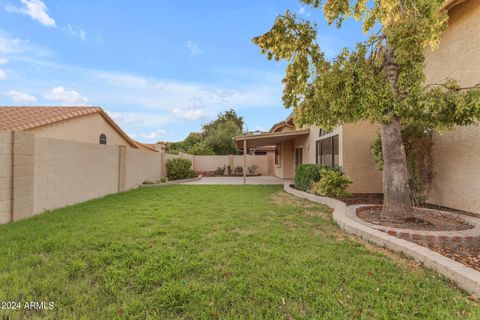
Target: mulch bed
pixel 467 256
pixel 424 220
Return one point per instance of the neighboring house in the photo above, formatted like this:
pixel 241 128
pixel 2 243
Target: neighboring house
pixel 82 124
pixel 456 153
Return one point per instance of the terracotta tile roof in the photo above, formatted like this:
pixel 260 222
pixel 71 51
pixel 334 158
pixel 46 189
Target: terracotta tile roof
pixel 25 118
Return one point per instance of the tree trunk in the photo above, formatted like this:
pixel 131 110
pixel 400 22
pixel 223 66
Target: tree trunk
pixel 397 204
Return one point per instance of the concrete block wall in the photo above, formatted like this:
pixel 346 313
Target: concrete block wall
pixel 142 165
pixel 211 163
pixel 39 174
pixel 5 176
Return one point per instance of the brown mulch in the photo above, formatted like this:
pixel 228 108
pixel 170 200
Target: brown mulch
pixel 424 220
pixel 467 256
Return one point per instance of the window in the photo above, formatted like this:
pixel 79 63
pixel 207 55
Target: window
pixel 327 151
pixel 324 132
pixel 277 156
pixel 298 156
pixel 102 139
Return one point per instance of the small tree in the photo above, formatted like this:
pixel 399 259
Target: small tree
pixel 381 80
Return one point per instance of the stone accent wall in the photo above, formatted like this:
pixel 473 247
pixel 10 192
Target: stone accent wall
pixel 39 174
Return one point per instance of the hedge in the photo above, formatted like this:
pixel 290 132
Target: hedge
pixel 179 169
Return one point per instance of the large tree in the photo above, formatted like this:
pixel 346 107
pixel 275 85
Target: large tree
pixel 216 137
pixel 381 80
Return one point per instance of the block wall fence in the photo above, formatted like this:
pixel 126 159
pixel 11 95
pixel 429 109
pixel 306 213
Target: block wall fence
pixel 39 174
pixel 208 164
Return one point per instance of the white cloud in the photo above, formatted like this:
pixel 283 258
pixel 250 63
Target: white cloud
pixel 18 96
pixel 194 49
pixel 3 75
pixel 153 135
pixel 304 12
pixel 3 60
pixel 76 32
pixel 189 113
pixel 65 97
pixel 36 9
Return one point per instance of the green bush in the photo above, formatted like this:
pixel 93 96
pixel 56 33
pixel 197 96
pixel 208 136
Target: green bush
pixel 220 171
pixel 238 171
pixel 306 174
pixel 332 183
pixel 179 169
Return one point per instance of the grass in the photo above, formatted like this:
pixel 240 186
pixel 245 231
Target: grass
pixel 207 252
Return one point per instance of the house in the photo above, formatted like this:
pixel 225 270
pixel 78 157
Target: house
pixel 81 124
pixel 456 153
pixel 347 146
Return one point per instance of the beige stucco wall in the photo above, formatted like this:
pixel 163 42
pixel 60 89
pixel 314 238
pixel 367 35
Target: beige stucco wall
pixel 357 159
pixel 261 161
pixel 456 153
pixel 82 129
pixel 5 176
pixel 286 168
pixel 456 181
pixel 69 172
pixel 142 165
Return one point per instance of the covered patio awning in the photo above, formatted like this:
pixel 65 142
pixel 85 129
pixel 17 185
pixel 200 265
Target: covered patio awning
pixel 268 139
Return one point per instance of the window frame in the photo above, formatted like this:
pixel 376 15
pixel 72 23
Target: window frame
pixel 102 139
pixel 298 151
pixel 318 151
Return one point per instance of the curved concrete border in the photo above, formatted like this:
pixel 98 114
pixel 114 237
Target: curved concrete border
pixel 169 183
pixel 466 278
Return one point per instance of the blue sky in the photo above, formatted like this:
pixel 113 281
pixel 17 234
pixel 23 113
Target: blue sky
pixel 160 68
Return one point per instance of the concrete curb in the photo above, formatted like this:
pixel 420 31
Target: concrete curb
pixel 466 278
pixel 169 183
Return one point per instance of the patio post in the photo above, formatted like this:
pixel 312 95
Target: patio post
pixel 245 161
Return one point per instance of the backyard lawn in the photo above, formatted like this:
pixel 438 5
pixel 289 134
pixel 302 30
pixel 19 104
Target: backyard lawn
pixel 206 252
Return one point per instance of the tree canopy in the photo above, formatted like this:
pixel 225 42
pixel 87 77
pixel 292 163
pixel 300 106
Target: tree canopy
pixel 355 84
pixel 216 137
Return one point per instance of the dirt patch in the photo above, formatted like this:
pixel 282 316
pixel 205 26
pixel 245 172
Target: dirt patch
pixel 467 256
pixel 363 198
pixel 424 220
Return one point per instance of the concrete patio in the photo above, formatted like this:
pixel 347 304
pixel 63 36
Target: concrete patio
pixel 239 180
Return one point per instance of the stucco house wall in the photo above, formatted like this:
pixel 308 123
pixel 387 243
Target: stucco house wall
pixel 357 158
pixel 85 128
pixel 456 153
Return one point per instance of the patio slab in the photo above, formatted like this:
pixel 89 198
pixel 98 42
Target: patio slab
pixel 239 180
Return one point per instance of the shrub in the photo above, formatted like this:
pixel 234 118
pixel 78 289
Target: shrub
pixel 306 174
pixel 332 183
pixel 238 171
pixel 252 170
pixel 179 169
pixel 229 170
pixel 220 171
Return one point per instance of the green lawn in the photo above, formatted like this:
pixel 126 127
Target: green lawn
pixel 206 252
